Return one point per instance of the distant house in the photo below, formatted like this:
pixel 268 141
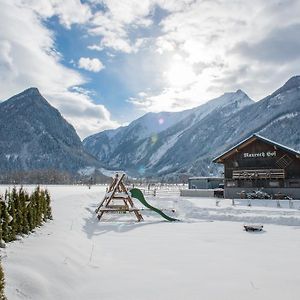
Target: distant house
pixel 259 163
pixel 205 182
pixel 204 187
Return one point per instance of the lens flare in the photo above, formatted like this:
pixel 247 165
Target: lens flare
pixel 161 121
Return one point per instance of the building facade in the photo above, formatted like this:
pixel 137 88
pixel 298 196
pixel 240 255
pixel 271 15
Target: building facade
pixel 259 163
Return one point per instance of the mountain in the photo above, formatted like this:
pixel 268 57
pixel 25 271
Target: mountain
pixel 187 145
pixel 275 117
pixel 35 136
pixel 143 148
pixel 106 144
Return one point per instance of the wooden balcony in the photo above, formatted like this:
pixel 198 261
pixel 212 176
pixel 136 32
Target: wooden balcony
pixel 259 174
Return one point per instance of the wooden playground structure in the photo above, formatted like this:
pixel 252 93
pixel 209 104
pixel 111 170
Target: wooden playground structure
pixel 118 200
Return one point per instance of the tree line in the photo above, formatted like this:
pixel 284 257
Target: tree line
pixel 51 176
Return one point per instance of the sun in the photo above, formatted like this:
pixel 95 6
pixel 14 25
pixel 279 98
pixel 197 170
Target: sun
pixel 180 73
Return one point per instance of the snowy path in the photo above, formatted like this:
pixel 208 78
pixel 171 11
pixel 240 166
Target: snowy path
pixel 76 257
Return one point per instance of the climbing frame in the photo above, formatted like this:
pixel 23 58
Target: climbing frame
pixel 117 200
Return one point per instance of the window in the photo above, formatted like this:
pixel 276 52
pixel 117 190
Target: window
pixel 230 183
pixel 294 183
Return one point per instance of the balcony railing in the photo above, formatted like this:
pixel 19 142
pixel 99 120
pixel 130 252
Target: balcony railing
pixel 259 174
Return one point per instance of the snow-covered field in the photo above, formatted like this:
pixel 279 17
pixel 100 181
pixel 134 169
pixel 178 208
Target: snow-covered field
pixel 206 256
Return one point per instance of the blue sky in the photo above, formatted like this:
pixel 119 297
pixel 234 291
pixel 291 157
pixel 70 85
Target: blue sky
pixel 124 75
pixel 103 63
pixel 106 87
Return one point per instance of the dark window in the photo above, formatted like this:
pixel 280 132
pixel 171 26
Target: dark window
pixel 294 183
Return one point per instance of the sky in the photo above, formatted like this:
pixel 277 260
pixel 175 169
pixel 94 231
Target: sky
pixel 103 63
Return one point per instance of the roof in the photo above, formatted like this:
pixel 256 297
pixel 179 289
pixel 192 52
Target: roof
pixel 249 140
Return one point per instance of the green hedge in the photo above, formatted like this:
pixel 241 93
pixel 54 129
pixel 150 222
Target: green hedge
pixel 21 212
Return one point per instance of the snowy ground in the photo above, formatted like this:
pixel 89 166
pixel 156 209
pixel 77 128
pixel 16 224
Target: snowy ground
pixel 206 256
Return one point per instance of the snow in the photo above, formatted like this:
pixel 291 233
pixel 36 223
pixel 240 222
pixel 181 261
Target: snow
pixel 87 171
pixel 154 123
pixel 13 156
pixel 165 168
pixel 76 257
pixel 283 117
pixel 108 173
pixel 162 150
pixel 141 152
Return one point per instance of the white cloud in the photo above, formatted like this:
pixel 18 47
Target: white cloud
pixel 86 116
pixel 111 32
pixel 119 18
pixel 90 64
pixel 225 45
pixel 69 12
pixel 27 58
pixel 95 47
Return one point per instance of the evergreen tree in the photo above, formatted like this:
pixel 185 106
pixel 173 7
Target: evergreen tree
pixel 48 206
pixel 5 219
pixel 39 206
pixel 1 237
pixel 24 204
pixel 43 205
pixel 2 284
pixel 21 212
pixel 13 221
pixel 30 214
pixel 18 211
pixel 35 201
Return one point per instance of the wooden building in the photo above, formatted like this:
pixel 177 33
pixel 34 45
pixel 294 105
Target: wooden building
pixel 259 163
pixel 205 182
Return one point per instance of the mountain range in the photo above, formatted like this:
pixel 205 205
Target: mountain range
pixel 189 140
pixel 35 136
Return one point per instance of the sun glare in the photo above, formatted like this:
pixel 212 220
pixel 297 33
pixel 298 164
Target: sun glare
pixel 180 74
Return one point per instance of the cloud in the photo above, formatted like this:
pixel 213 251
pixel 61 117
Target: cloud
pixel 204 33
pixel 86 116
pixel 90 64
pixel 112 33
pixel 281 45
pixel 95 47
pixel 28 58
pixel 119 23
pixel 68 12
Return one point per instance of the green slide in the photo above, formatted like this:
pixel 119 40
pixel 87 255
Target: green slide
pixel 137 193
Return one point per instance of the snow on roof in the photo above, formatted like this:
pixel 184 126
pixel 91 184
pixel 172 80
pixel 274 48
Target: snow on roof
pixel 256 136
